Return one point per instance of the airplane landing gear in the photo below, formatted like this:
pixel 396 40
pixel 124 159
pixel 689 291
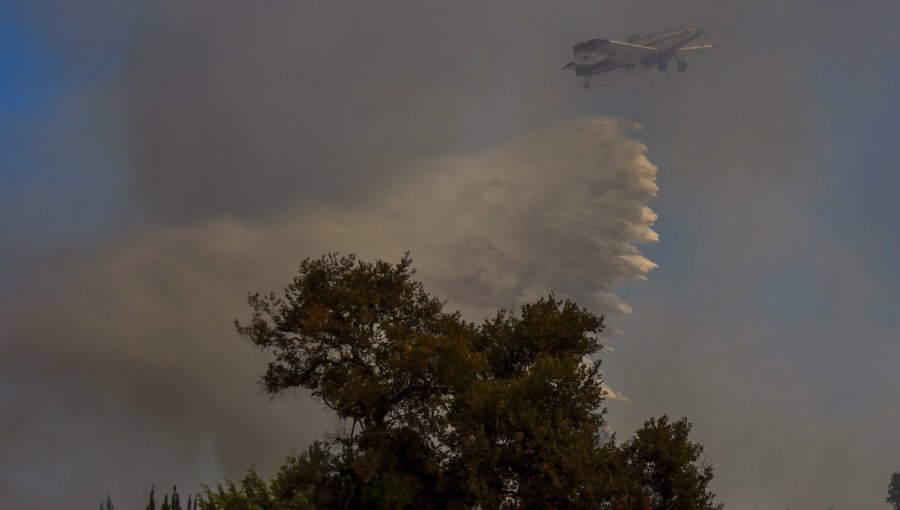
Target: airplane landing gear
pixel 587 84
pixel 682 66
pixel 662 66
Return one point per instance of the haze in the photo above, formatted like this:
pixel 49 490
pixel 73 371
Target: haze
pixel 737 222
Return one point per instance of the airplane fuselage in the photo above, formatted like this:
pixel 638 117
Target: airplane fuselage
pixel 603 55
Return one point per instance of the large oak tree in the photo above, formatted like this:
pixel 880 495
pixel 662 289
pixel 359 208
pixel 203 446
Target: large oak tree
pixel 443 413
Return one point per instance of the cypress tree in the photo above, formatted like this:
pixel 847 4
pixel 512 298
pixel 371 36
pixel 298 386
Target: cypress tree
pixel 165 505
pixel 152 504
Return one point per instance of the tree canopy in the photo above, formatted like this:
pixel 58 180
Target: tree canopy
pixel 444 413
pixel 893 495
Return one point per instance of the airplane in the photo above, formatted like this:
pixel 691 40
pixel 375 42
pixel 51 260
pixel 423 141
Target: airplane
pixel 602 55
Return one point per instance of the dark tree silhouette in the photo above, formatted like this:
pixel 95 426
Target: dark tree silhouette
pixel 663 470
pixel 893 495
pixel 107 505
pixel 443 413
pixel 151 505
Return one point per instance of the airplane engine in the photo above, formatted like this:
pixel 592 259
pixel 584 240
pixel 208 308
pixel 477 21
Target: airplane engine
pixel 633 38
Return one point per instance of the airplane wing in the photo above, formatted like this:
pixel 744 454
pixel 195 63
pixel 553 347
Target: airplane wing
pixel 600 50
pixel 697 49
pixel 628 53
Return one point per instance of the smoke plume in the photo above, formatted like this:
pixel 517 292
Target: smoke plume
pixel 131 345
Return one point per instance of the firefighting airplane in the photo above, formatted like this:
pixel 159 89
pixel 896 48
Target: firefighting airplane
pixel 602 55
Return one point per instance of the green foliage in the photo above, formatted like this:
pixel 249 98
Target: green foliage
pixel 442 413
pixel 893 495
pixel 526 429
pixel 251 493
pixel 365 339
pixel 663 470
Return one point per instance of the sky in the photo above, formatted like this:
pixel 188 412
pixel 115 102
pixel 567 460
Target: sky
pixel 736 223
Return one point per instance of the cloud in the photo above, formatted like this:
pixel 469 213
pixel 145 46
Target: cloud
pixel 131 345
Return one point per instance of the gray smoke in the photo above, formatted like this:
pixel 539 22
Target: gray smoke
pixel 133 343
pixel 206 146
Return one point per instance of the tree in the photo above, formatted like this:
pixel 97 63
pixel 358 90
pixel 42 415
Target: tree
pixel 442 413
pixel 663 470
pixel 108 505
pixel 382 354
pixel 176 499
pixel 526 431
pixel 151 505
pixel 893 495
pixel 314 475
pixel 251 493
